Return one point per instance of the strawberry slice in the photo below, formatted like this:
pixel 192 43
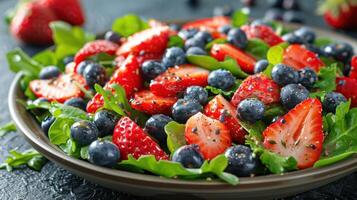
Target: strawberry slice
pixel 257 86
pixel 353 72
pixel 348 87
pixel 210 135
pixel 299 57
pixel 176 79
pixel 94 48
pixel 153 40
pixel 262 32
pixel 145 101
pixel 298 134
pixel 127 75
pixel 131 139
pixel 220 109
pixel 58 89
pixel 209 24
pixel 245 61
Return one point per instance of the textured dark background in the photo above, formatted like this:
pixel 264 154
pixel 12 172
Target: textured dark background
pixel 56 183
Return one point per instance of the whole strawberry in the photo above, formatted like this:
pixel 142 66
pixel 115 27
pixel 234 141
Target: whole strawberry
pixel 340 14
pixel 31 23
pixel 66 10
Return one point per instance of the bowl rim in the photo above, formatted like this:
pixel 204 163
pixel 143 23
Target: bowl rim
pixel 258 183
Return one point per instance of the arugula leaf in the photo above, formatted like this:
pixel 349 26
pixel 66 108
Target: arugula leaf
pixel 215 41
pixel 46 58
pixel 20 61
pixel 129 24
pixel 326 81
pixel 67 112
pixel 175 135
pixel 227 94
pixel 258 48
pixel 7 128
pixel 275 54
pixel 59 131
pixel 17 159
pixel 240 17
pixel 171 169
pixel 321 42
pixel 211 64
pixel 71 148
pixel 175 41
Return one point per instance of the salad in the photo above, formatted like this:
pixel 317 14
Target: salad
pixel 221 97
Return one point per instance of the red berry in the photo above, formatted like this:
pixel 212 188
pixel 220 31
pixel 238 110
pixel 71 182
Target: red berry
pixel 67 10
pixel 353 72
pixel 94 48
pixel 209 24
pixel 299 57
pixel 262 32
pixel 348 87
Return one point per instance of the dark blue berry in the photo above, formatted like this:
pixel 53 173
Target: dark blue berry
pixel 225 10
pixel 76 102
pixel 183 109
pixel 195 51
pixel 319 51
pixel 346 69
pixel 103 153
pixel 293 94
pixel 82 66
pixel 94 73
pixel 307 77
pixel 84 132
pixel 306 34
pixel 332 100
pixel 112 36
pixel 49 72
pixel 68 60
pixel 189 156
pixel 203 36
pixel 238 38
pixel 273 15
pixel 283 74
pixel 340 51
pixel 174 56
pixel 225 29
pixel 196 93
pixel 155 126
pixel 293 16
pixel 241 161
pixel 193 42
pixel 293 38
pixel 251 110
pixel 105 121
pixel 260 66
pixel 187 33
pixel 221 79
pixel 276 3
pixel 46 124
pixel 150 69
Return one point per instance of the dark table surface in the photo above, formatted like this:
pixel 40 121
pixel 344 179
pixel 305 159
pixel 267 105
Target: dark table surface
pixel 56 183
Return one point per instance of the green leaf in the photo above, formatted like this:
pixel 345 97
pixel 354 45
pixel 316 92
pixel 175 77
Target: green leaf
pixel 71 148
pixel 36 163
pixel 321 42
pixel 215 41
pixel 175 135
pixel 59 131
pixel 240 17
pixel 67 112
pixel 7 128
pixel 211 64
pixel 46 58
pixel 227 94
pixel 278 164
pixel 129 24
pixel 273 111
pixel 275 54
pixel 175 41
pixel 326 79
pixel 171 169
pixel 258 48
pixel 20 61
pixel 16 159
pixel 84 153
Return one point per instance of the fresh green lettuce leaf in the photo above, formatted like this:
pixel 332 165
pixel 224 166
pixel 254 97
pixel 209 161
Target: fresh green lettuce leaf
pixel 215 41
pixel 175 41
pixel 59 131
pixel 30 157
pixel 175 135
pixel 71 148
pixel 322 41
pixel 240 17
pixel 326 81
pixel 46 58
pixel 257 48
pixel 20 61
pixel 129 24
pixel 7 128
pixel 227 94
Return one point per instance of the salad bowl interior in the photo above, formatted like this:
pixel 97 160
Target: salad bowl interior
pixel 260 187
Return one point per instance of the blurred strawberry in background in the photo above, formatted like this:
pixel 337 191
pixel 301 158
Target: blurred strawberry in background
pixel 29 20
pixel 340 14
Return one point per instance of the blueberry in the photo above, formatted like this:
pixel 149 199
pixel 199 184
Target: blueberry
pixel 241 161
pixel 174 56
pixel 225 29
pixel 112 36
pixel 332 100
pixel 68 60
pixel 193 42
pixel 155 126
pixel 46 124
pixel 340 51
pixel 291 5
pixel 273 15
pixel 306 34
pixel 293 16
pixel 260 66
pixel 225 10
pixel 196 93
pixel 103 153
pixel 307 77
pixel 84 132
pixel 221 79
pixel 292 38
pixel 283 74
pixel 195 51
pixel 346 69
pixel 187 33
pixel 315 49
pixel 293 94
pixel 82 65
pixel 251 110
pixel 183 109
pixel 276 3
pixel 94 73
pixel 49 72
pixel 76 102
pixel 189 156
pixel 203 36
pixel 105 121
pixel 238 38
pixel 150 69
